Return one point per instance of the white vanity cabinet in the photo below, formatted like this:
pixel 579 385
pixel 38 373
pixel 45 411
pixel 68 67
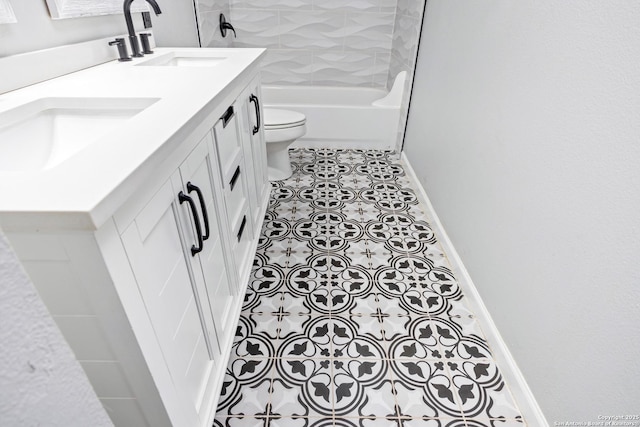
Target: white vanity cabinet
pixel 149 302
pixel 176 252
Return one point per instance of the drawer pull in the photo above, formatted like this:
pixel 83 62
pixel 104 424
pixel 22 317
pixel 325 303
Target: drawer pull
pixel 234 178
pixel 244 222
pixel 203 208
pixel 228 115
pixel 256 104
pixel 184 198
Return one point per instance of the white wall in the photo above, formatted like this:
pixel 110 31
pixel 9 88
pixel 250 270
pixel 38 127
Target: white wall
pixel 176 26
pixel 525 131
pixel 36 30
pixel 41 383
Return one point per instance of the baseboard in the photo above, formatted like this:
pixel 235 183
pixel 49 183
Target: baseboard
pixel 522 394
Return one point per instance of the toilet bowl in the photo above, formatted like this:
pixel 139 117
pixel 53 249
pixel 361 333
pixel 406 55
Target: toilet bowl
pixel 281 129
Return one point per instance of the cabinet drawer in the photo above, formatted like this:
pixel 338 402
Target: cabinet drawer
pixel 235 194
pixel 228 144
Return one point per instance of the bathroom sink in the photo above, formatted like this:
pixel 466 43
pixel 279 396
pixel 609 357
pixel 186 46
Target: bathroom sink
pixel 42 134
pixel 184 60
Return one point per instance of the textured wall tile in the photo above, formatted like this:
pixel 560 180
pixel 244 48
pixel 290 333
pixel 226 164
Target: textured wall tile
pixel 273 4
pixel 413 8
pixel 210 35
pixel 351 5
pixel 405 38
pixel 369 31
pixel 371 34
pixel 314 29
pixel 381 69
pixel 256 28
pixel 212 5
pixel 389 6
pixel 395 66
pixel 208 22
pixel 343 68
pixel 287 67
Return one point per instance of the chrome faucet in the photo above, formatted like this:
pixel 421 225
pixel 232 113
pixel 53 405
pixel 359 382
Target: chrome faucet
pixel 133 39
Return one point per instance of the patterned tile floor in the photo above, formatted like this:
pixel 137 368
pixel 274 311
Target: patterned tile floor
pixel 352 316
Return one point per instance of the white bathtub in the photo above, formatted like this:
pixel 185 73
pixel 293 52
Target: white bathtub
pixel 343 117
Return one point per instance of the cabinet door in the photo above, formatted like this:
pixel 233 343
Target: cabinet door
pixel 155 247
pixel 255 148
pixel 210 270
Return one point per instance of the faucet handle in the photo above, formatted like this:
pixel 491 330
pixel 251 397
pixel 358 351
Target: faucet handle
pixel 146 46
pixel 122 49
pixel 225 25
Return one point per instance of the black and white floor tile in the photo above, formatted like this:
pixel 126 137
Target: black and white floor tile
pixel 353 317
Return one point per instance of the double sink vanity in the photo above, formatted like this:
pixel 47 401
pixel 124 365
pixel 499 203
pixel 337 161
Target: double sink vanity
pixel 134 194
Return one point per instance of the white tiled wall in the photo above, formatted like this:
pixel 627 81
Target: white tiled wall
pixel 208 22
pixel 341 45
pixel 329 42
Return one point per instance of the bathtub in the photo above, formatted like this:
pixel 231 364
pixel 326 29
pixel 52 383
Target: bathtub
pixel 343 117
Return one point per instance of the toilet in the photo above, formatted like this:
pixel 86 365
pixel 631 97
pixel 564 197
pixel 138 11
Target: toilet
pixel 281 129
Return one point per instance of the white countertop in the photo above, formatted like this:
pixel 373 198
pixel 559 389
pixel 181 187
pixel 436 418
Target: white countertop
pixel 81 191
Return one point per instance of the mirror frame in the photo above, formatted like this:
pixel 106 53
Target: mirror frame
pixel 64 9
pixel 6 13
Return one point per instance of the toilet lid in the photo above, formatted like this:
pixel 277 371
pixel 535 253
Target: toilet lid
pixel 278 119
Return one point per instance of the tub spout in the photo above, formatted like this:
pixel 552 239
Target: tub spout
pixel 133 39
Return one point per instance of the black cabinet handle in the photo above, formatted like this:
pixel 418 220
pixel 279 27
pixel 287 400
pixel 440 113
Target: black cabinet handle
pixel 256 104
pixel 203 208
pixel 228 115
pixel 244 222
pixel 184 198
pixel 234 178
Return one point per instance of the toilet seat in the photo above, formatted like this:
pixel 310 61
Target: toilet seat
pixel 275 119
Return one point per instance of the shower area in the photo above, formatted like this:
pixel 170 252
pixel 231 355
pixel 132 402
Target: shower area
pixel 350 51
